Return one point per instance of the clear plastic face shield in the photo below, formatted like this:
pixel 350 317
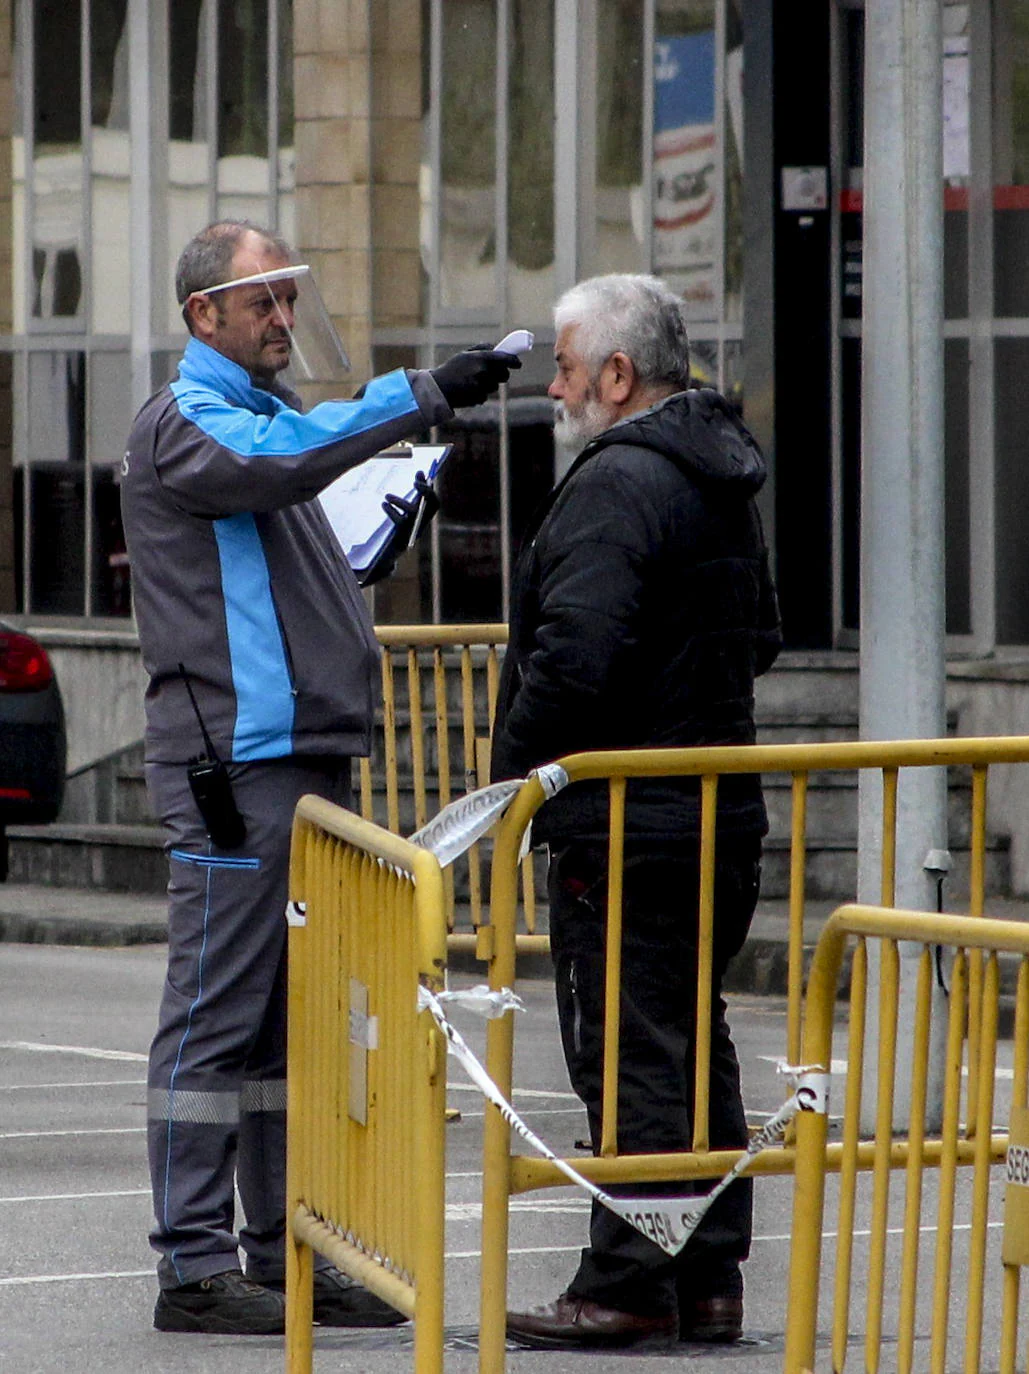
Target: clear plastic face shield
pixel 285 328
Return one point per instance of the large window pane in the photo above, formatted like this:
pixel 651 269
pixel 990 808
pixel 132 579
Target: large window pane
pixel 56 286
pixel 956 488
pixel 686 180
pixel 188 121
pixel 109 408
pixel 619 240
pixel 111 595
pixel 1011 487
pixel 109 189
pixel 56 407
pixel 243 110
pixel 1011 157
pixel 467 195
pixel 530 186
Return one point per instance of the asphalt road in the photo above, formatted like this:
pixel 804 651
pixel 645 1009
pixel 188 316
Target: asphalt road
pixel 76 1272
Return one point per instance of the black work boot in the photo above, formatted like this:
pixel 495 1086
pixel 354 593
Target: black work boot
pixel 223 1304
pixel 339 1301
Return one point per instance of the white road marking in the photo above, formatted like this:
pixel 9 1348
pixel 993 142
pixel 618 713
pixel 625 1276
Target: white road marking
pixel 530 1250
pixel 86 1051
pixel 518 1092
pixel 76 1278
pixel 40 1135
pixel 471 1211
pixel 29 1279
pixel 98 1083
pixel 76 1197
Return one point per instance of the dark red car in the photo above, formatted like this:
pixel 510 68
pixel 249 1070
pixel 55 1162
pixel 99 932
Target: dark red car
pixel 33 750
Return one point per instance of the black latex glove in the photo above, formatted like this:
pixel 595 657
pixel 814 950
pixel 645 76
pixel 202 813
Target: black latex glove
pixel 467 378
pixel 410 518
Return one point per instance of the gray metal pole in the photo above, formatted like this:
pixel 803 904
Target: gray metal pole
pixel 902 526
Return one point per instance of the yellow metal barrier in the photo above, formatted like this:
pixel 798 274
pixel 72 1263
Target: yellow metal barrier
pixel 945 1228
pixel 504 1174
pixel 439 691
pixel 365 1167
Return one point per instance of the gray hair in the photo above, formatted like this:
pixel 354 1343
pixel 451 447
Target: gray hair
pixel 206 260
pixel 632 314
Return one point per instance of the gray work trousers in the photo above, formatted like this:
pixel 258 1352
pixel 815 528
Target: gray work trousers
pixel 216 1100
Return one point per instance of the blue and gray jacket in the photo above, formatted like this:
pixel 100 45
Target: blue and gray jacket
pixel 235 571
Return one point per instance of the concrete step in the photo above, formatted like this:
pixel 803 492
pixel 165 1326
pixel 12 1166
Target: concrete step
pixel 112 858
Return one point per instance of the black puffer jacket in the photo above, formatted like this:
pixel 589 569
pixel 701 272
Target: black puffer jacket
pixel 642 610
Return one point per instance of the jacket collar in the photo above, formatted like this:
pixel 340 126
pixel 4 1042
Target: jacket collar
pixel 203 364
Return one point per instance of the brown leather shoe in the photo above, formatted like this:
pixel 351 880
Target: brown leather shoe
pixel 571 1323
pixel 711 1319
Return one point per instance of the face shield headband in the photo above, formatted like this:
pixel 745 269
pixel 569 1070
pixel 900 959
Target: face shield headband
pixel 317 353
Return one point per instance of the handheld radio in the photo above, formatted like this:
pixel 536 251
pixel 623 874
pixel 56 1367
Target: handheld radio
pixel 211 786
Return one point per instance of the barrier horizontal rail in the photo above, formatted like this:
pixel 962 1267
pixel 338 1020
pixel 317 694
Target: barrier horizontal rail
pixel 502 1173
pixel 366 1073
pixel 896 1312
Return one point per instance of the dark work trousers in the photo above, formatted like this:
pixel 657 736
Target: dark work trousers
pixel 621 1268
pixel 217 1081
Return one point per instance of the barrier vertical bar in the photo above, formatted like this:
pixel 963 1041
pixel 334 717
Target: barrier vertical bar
pixel 889 992
pixel 492 684
pixel 795 964
pixel 948 1162
pixel 849 1160
pixel 981 1169
pixel 439 682
pixel 976 906
pixel 496 1149
pixel 613 969
pixel 705 961
pixel 913 1179
pixel 430 1126
pixel 389 736
pixel 529 894
pixel 809 1170
pixel 1020 1070
pixel 471 778
pixel 889 838
pixel 367 791
pixel 299 1256
pixel 414 701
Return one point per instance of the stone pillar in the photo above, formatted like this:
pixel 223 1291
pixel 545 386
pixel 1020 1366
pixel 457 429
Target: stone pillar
pixel 357 70
pixel 332 82
pixel 6 313
pixel 396 137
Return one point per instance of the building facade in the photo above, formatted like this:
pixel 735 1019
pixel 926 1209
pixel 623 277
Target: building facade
pixel 448 167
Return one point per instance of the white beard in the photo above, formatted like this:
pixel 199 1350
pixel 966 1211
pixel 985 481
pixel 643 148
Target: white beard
pixel 578 427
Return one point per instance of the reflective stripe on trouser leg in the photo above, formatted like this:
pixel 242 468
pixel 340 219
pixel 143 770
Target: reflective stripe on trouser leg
pixel 219 1051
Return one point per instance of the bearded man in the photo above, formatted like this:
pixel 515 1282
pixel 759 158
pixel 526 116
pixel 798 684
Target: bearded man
pixel 642 609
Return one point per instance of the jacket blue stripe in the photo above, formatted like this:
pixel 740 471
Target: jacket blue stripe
pixel 277 428
pixel 260 673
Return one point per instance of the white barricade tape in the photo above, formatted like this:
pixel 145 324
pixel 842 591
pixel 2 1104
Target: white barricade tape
pixel 668 1221
pixel 455 829
pixel 483 1000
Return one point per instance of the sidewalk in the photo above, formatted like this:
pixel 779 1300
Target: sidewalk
pixel 77 916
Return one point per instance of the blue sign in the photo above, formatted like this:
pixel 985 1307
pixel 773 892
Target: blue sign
pixel 684 80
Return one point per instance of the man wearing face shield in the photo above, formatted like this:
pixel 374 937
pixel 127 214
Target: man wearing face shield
pixel 261 660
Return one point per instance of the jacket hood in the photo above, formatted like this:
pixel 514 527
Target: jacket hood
pixel 699 432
